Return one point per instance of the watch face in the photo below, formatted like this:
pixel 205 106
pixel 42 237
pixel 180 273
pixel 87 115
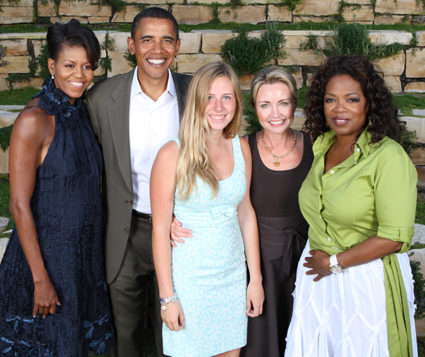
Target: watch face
pixel 336 269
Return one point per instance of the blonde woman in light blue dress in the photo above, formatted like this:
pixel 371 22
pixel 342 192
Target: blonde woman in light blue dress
pixel 203 178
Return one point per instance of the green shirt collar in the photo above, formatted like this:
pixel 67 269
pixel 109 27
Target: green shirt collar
pixel 324 142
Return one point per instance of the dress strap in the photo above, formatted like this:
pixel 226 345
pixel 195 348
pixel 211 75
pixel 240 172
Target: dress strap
pixel 237 153
pixel 177 140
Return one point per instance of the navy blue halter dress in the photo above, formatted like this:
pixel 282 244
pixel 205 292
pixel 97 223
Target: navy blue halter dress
pixel 67 209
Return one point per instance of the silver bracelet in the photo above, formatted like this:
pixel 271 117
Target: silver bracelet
pixel 165 301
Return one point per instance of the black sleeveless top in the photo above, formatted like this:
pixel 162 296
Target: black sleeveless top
pixel 275 193
pixel 283 235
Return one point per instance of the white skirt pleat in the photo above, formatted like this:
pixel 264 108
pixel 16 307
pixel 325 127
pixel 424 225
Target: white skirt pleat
pixel 344 315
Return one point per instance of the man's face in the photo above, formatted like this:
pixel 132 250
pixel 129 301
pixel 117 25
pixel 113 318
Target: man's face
pixel 155 45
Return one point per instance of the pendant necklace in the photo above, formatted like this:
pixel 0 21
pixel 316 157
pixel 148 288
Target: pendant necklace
pixel 276 157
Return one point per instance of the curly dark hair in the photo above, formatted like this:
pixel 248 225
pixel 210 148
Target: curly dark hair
pixel 382 110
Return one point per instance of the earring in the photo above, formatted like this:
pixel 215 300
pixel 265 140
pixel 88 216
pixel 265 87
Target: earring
pixel 53 76
pixel 370 122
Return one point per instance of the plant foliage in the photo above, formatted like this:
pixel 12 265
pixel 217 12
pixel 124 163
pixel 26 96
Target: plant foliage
pixel 419 289
pixel 11 79
pixel 253 125
pixel 250 55
pixel 290 4
pixel 43 69
pixel 106 63
pixel 408 140
pixel 2 51
pixel 116 5
pixel 353 39
pixel 131 59
pixel 5 133
pixel 420 212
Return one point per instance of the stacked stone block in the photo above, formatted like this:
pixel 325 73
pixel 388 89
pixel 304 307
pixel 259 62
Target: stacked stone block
pixel 405 71
pixel 196 12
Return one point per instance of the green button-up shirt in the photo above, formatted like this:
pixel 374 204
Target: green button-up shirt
pixel 373 192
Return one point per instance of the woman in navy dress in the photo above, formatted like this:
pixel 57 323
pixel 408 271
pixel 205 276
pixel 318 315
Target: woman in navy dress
pixel 53 295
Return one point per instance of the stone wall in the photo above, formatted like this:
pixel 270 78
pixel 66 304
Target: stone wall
pixel 404 72
pixel 196 12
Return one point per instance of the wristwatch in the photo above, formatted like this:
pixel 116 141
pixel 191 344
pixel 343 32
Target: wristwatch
pixel 336 268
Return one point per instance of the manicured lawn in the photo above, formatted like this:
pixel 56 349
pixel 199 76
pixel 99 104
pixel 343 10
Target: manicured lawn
pixel 20 96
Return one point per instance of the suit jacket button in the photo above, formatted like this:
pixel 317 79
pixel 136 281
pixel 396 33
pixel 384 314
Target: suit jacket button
pixel 126 230
pixel 129 202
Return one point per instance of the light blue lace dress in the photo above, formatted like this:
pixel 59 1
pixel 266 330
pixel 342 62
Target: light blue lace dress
pixel 209 271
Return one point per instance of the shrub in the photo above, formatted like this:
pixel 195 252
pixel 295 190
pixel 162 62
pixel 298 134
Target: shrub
pixel 131 59
pixel 41 60
pixel 11 79
pixel 353 39
pixel 419 289
pixel 250 55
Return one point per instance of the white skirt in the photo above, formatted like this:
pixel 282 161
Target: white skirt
pixel 344 315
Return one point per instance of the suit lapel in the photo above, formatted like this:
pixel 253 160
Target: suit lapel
pixel 118 116
pixel 181 90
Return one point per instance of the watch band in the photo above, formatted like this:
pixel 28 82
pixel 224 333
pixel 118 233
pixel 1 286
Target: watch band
pixel 333 260
pixel 336 268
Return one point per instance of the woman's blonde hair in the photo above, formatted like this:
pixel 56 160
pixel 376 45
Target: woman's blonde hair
pixel 271 75
pixel 194 159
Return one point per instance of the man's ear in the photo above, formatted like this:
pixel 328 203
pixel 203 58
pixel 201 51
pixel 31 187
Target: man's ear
pixel 130 44
pixel 178 43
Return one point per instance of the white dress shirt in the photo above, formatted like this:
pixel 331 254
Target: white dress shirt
pixel 152 124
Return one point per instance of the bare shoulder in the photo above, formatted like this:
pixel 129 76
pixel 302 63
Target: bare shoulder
pixel 245 147
pixel 245 137
pixel 32 121
pixel 246 152
pixel 170 151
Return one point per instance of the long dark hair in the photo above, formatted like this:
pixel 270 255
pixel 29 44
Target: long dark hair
pixel 382 112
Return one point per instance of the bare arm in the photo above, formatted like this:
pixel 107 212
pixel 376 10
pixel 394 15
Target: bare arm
pixel 163 184
pixel 364 252
pixel 31 135
pixel 248 224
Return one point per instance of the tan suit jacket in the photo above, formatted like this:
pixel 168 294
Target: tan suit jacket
pixel 108 105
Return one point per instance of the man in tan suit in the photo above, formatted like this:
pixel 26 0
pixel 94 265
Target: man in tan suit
pixel 133 115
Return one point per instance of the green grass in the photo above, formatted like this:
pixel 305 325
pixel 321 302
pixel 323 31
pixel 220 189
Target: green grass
pixel 407 102
pixel 20 96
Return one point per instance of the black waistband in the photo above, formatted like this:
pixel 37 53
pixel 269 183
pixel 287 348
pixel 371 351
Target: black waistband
pixel 142 215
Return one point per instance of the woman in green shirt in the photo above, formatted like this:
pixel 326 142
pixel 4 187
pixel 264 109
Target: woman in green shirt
pixel 354 292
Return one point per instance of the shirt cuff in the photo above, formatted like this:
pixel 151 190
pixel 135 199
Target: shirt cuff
pixel 396 234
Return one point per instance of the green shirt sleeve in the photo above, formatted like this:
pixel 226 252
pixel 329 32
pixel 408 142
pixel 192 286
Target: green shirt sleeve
pixel 395 198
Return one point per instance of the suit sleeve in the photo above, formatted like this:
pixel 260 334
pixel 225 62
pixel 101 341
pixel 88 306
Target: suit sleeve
pixel 93 119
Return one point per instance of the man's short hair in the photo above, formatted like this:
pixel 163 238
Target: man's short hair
pixel 155 13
